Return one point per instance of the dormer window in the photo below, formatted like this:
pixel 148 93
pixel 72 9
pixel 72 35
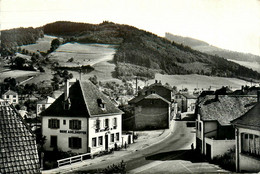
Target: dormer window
pixel 66 104
pixel 101 103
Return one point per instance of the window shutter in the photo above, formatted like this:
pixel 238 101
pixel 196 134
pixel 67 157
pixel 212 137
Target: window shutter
pixel 95 124
pixel 58 122
pixel 79 122
pixel 70 142
pixel 49 124
pixel 80 143
pixel 70 126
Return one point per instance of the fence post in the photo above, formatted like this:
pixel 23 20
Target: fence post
pixel 81 158
pixel 70 160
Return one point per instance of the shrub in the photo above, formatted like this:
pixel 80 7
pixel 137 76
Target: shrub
pixel 227 160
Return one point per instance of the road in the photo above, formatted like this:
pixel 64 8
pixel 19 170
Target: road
pixel 172 155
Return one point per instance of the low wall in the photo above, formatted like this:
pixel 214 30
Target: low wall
pixel 219 147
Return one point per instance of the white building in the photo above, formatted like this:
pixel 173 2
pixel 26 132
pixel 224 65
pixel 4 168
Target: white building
pixel 44 104
pixel 11 97
pixel 248 141
pixel 82 120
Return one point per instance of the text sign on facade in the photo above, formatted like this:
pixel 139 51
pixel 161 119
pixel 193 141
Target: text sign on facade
pixel 73 132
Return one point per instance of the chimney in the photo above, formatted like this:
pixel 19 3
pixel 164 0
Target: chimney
pixel 66 90
pixel 258 96
pixel 156 81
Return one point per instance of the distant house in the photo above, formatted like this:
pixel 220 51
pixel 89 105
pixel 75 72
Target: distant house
pixel 44 104
pixel 186 102
pixel 18 150
pixel 11 97
pixel 248 140
pixel 82 120
pixel 214 133
pixel 151 112
pixel 157 88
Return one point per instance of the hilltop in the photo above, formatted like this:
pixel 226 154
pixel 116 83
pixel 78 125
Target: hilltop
pixel 144 49
pixel 138 52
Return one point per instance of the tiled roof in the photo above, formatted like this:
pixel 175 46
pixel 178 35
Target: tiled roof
pixel 83 97
pixel 10 92
pixel 225 108
pixel 156 96
pixel 18 151
pixel 251 119
pixel 189 96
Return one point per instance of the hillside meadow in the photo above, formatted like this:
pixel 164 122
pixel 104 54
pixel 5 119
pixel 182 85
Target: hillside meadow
pixel 193 81
pixel 42 44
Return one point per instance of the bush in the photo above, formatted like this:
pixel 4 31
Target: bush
pixel 227 160
pixel 119 168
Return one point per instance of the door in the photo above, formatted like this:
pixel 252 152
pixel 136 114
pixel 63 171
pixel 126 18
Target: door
pixel 106 142
pixel 208 151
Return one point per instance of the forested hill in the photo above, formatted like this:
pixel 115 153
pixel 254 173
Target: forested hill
pixel 209 49
pixel 12 38
pixel 145 49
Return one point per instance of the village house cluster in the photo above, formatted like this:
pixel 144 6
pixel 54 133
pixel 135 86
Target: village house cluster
pixel 84 120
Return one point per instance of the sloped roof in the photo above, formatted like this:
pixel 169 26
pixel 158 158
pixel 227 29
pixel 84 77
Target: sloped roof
pixel 18 150
pixel 83 97
pixel 150 96
pixel 155 97
pixel 10 92
pixel 189 96
pixel 251 119
pixel 48 100
pixel 225 108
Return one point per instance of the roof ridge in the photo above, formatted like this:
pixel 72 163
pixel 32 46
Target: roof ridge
pixel 84 97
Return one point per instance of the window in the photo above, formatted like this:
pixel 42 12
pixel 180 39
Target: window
pixel 75 124
pixel 54 123
pixel 97 124
pixel 101 103
pixel 94 142
pixel 64 122
pixel 199 126
pixel 117 136
pixel 53 141
pixel 75 142
pixel 106 123
pixel 250 145
pixel 100 141
pixel 14 96
pixel 112 138
pixel 115 123
pixel 14 100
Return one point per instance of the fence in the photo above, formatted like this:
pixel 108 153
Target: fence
pixel 73 159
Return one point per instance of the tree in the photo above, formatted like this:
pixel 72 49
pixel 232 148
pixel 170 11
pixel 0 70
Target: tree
pixel 55 43
pixel 94 80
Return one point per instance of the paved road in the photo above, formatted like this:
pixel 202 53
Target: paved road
pixel 173 155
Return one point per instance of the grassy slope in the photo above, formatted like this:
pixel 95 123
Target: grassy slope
pixel 193 81
pixel 42 44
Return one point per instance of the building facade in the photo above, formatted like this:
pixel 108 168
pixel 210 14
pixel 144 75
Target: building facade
pixel 82 120
pixel 248 141
pixel 214 133
pixel 44 104
pixel 11 97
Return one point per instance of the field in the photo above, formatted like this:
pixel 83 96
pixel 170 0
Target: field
pixel 253 65
pixel 196 81
pixel 42 44
pixel 19 75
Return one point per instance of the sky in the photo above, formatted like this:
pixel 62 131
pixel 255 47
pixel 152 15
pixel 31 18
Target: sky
pixel 229 24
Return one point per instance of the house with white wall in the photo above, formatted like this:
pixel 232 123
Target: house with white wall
pixel 214 133
pixel 11 97
pixel 247 129
pixel 44 104
pixel 186 102
pixel 82 120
